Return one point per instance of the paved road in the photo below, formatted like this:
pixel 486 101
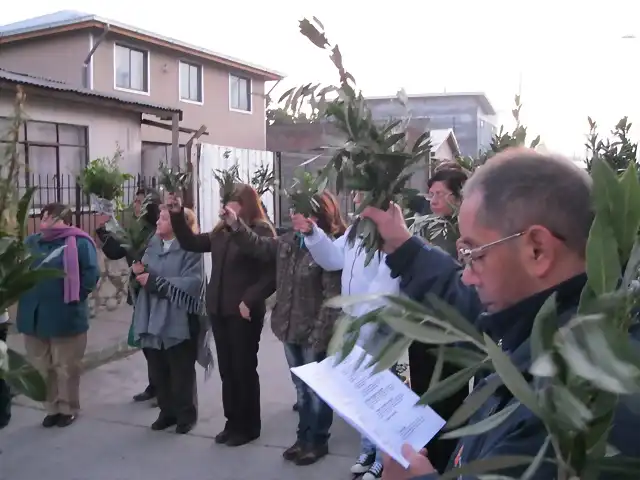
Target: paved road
pixel 112 441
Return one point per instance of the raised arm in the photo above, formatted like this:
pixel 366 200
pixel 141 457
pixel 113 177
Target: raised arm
pixel 266 283
pixel 424 269
pixel 189 241
pixel 327 253
pixel 263 248
pixel 111 247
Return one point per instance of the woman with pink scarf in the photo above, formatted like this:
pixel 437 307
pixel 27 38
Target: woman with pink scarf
pixel 54 315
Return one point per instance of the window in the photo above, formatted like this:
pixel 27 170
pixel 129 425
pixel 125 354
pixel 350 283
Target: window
pixel 239 93
pixel 53 155
pixel 132 69
pixel 190 82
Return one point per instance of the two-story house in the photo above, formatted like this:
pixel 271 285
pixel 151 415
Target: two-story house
pixel 469 115
pixel 225 94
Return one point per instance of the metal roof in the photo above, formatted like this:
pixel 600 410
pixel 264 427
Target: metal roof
pixel 479 96
pixel 65 18
pixel 48 84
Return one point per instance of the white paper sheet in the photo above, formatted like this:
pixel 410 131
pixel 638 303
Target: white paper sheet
pixel 379 406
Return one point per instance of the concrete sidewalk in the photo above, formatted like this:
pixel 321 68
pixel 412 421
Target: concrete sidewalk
pixel 112 439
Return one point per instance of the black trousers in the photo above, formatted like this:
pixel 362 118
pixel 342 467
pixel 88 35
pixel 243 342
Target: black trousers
pixel 151 389
pixel 421 365
pixel 237 342
pixel 5 392
pixel 173 373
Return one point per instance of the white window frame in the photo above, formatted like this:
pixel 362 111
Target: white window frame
pixel 250 80
pixel 115 71
pixel 191 64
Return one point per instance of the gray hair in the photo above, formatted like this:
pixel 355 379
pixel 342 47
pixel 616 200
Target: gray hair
pixel 520 188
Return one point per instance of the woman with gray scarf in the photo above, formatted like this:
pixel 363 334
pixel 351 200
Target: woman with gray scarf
pixel 167 322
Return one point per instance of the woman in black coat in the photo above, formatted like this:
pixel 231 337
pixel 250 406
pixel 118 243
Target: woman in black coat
pixel 113 250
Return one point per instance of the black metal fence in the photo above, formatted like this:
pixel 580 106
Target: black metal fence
pixel 66 189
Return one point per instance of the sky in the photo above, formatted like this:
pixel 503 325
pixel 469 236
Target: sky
pixel 568 58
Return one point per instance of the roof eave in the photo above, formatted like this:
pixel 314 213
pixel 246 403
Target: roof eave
pixel 142 35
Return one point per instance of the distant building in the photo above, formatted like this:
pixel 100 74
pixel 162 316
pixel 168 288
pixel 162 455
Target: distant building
pixel 469 115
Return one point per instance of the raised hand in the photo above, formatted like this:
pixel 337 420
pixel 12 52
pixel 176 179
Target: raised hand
pixel 301 223
pixel 229 216
pixel 174 203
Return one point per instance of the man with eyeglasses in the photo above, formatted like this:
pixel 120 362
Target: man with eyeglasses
pixel 524 223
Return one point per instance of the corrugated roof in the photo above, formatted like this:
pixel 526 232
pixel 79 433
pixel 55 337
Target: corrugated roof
pixel 71 17
pixel 45 83
pixel 480 97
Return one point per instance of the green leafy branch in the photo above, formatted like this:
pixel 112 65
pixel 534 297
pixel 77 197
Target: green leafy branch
pixel 374 159
pixel 227 179
pixel 103 177
pixel 174 179
pixel 303 194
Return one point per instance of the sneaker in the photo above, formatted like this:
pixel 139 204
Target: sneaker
pixel 65 420
pixel 365 460
pixel 51 420
pixel 374 472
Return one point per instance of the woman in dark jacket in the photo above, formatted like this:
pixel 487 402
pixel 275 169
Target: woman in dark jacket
pixel 445 194
pixel 299 319
pixel 235 298
pixel 113 250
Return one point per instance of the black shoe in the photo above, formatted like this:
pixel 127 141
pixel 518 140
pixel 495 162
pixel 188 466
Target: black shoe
pixel 239 439
pixel 4 422
pixel 292 453
pixel 223 437
pixel 50 420
pixel 162 423
pixel 296 407
pixel 185 427
pixel 143 397
pixel 65 420
pixel 311 455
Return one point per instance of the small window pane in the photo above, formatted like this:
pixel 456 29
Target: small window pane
pixel 138 66
pixel 194 84
pixel 41 132
pixel 234 92
pixel 184 81
pixel 71 135
pixel 42 170
pixel 240 93
pixel 122 67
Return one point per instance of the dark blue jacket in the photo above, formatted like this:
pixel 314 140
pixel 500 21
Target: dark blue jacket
pixel 42 312
pixel 423 269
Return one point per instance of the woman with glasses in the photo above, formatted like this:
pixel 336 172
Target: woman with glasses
pixel 445 196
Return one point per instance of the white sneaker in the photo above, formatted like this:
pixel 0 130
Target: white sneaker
pixel 374 472
pixel 364 462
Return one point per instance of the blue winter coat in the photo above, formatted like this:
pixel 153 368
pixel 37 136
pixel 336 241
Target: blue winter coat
pixel 42 312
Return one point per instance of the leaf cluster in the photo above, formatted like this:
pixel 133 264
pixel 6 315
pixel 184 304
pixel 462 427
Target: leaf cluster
pixel 263 179
pixel 174 179
pixel 227 179
pixel 103 177
pixel 618 152
pixel 375 159
pixel 303 193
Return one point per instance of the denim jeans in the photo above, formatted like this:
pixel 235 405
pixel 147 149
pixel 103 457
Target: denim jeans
pixel 368 447
pixel 315 416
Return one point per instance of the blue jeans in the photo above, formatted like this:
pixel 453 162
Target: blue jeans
pixel 368 447
pixel 315 415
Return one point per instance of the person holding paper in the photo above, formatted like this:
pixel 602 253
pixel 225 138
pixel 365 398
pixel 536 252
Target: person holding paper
pixel 524 223
pixel 299 319
pixel 357 279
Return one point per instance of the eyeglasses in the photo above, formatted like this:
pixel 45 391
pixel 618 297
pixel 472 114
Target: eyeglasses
pixel 468 255
pixel 437 195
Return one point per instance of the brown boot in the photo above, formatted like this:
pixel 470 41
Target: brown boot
pixel 311 455
pixel 292 453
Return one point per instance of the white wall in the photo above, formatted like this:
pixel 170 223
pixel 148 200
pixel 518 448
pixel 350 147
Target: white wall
pixel 106 126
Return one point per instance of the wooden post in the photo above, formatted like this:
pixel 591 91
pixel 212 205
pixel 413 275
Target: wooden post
pixel 175 140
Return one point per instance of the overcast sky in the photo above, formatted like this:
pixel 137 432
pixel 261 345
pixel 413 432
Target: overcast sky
pixel 570 55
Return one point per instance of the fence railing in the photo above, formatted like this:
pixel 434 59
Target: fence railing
pixel 66 189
